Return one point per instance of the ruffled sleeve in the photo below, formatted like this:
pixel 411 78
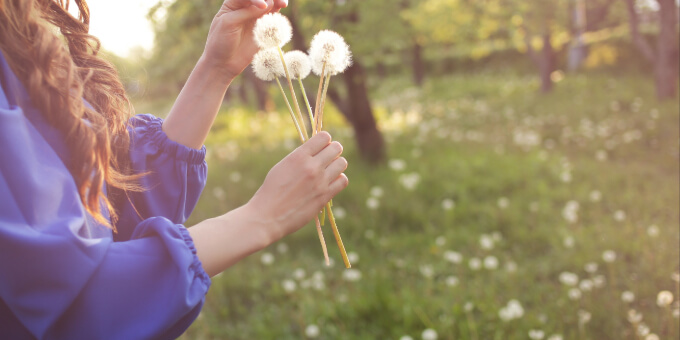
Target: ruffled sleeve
pixel 176 176
pixel 59 283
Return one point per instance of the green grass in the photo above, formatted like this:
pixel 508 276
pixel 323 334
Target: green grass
pixel 477 140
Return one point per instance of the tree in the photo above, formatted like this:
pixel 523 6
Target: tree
pixel 665 57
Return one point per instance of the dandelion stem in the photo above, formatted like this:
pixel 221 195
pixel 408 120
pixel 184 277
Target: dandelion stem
pixel 323 101
pixel 323 242
pixel 292 115
pixel 337 236
pixel 318 100
pixel 309 107
pixel 292 92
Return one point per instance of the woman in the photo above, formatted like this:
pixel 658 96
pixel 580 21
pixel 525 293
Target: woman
pixel 92 199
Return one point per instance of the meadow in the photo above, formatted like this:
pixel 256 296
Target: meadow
pixel 500 213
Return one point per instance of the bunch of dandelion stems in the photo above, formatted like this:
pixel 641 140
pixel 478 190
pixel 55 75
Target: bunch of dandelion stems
pixel 316 124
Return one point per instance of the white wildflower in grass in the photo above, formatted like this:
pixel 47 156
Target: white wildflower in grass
pixel 440 241
pixel 339 212
pixel 556 337
pixel 427 271
pixel 267 64
pixel 619 216
pixel 664 298
pixel 406 337
pixel 586 285
pixel 469 306
pixel 599 281
pixel 510 267
pixel 595 196
pixel 643 330
pixel 634 316
pixel 628 296
pixel 235 176
pixel 330 49
pixel 568 242
pixel 653 230
pixel 513 310
pixel 486 242
pixel 676 313
pixel 397 164
pixel 448 204
pixel 652 336
pixel 568 279
pixel 583 317
pixel 601 155
pixel 570 211
pixel 536 334
pixel 503 202
pixel 410 181
pixel 272 30
pixel 676 277
pixel 372 203
pixel 609 256
pixel 351 275
pixel 376 192
pixel 490 262
pixel 574 294
pixel 429 334
pixel 453 257
pixel 475 263
pixel 219 193
pixel 353 257
pixel 282 248
pixel 267 259
pixel 288 285
pixel 590 267
pixel 299 274
pixel 452 281
pixel 312 331
pixel 298 64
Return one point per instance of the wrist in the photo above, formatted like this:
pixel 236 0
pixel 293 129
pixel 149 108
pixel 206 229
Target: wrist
pixel 215 69
pixel 258 227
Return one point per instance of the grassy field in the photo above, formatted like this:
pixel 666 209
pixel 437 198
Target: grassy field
pixel 500 214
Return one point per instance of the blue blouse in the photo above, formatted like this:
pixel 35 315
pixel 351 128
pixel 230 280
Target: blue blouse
pixel 62 275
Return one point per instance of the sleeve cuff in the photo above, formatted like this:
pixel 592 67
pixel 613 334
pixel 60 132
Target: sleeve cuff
pixel 196 265
pixel 147 128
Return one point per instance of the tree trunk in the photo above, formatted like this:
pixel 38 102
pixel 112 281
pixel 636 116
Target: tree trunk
pixel 546 64
pixel 417 64
pixel 666 66
pixel 357 109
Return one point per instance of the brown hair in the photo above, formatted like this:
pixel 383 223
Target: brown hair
pixel 57 77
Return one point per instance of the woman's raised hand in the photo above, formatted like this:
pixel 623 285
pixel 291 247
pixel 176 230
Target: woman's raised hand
pixel 230 45
pixel 298 186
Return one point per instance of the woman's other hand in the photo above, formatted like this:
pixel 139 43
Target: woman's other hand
pixel 230 45
pixel 297 188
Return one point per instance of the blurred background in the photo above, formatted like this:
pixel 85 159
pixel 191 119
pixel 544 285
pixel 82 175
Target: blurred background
pixel 514 168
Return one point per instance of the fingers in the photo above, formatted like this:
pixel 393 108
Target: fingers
pixel 316 143
pixel 329 153
pixel 244 10
pixel 337 185
pixel 336 167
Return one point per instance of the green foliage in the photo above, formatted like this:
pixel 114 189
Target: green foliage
pixel 509 161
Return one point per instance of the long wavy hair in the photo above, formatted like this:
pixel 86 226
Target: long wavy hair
pixel 57 60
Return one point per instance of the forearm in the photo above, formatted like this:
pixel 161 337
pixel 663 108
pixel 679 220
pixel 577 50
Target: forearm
pixel 222 241
pixel 196 107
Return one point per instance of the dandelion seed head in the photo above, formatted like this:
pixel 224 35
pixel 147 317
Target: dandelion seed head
pixel 590 267
pixel 568 279
pixel 351 275
pixel 299 65
pixel 453 257
pixel 586 285
pixel 664 298
pixel 609 256
pixel 272 30
pixel 627 296
pixel 267 65
pixel 429 334
pixel 490 262
pixel 452 281
pixel 634 316
pixel 653 230
pixel 330 48
pixel 583 317
pixel 288 285
pixel 536 334
pixel 312 331
pixel 377 191
pixel 642 329
pixel 556 337
pixel 574 294
pixel 353 257
pixel 406 337
pixel 267 259
pixel 448 204
pixel 652 336
pixel 475 263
